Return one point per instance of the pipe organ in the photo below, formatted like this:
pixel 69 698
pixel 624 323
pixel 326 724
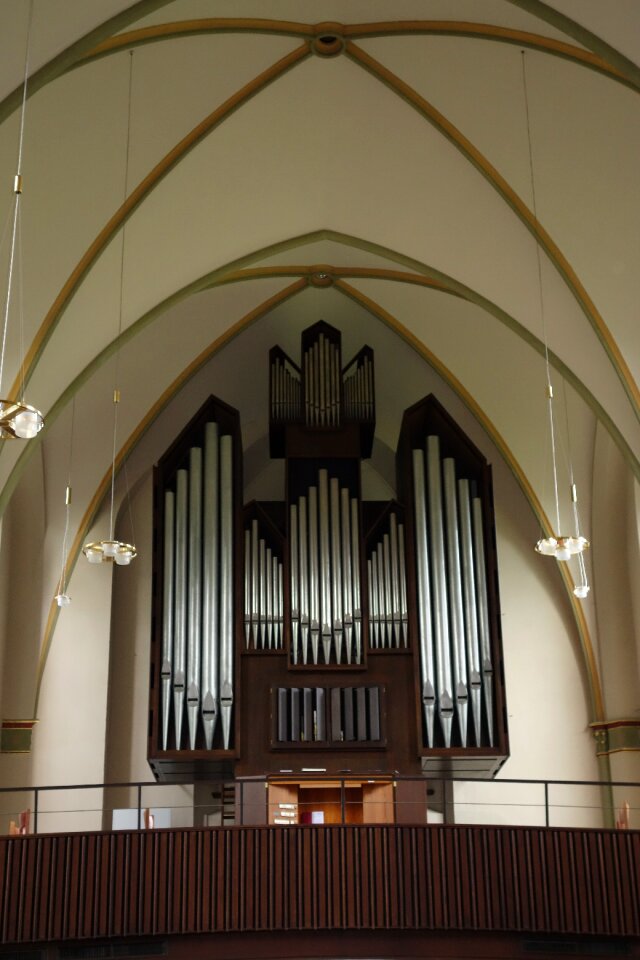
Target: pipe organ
pixel 325 631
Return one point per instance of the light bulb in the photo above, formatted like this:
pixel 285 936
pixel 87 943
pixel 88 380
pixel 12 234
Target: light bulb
pixel 563 552
pixel 94 556
pixel 63 600
pixel 27 424
pixel 582 590
pixel 123 557
pixel 109 548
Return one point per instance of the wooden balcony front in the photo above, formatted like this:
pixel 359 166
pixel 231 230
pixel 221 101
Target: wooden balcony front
pixel 464 879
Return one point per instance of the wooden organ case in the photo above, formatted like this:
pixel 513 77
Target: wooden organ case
pixel 326 635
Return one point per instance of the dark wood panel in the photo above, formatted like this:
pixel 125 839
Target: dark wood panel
pixel 518 879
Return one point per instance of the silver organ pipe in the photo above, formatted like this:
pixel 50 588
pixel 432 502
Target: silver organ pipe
pixel 194 607
pixel 347 573
pixel 180 608
pixel 458 651
pixel 314 567
pixel 325 563
pixel 197 599
pixel 425 631
pixel 453 605
pixel 388 589
pixel 440 609
pixel 226 586
pixel 324 582
pixel 483 611
pixel 336 567
pixel 268 578
pixel 404 609
pixel 255 585
pixel 167 612
pixel 262 592
pixel 303 570
pixel 294 568
pixel 470 608
pixel 355 555
pixel 247 588
pixel 210 596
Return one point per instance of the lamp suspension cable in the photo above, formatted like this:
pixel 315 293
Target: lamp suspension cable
pixel 112 550
pixel 581 589
pixel 557 545
pixel 18 420
pixel 62 597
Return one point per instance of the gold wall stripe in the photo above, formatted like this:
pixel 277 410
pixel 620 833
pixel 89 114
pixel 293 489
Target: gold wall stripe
pixel 132 441
pixel 136 197
pixel 358 31
pixel 557 258
pixel 597 704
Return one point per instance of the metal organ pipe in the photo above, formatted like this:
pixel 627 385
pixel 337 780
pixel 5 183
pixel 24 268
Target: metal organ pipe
pixel 440 611
pixel 455 597
pixel 395 577
pixel 304 576
pixel 294 561
pixel 226 586
pixel 210 597
pixel 425 633
pixel 355 554
pixel 336 568
pixel 347 575
pixel 470 608
pixel 314 581
pixel 483 612
pixel 180 609
pixel 404 610
pixel 167 612
pixel 194 623
pixel 325 564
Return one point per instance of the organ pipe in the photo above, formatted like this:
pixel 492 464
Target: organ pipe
pixel 194 622
pixel 180 609
pixel 347 573
pixel 226 586
pixel 294 560
pixel 483 612
pixel 210 599
pixel 325 564
pixel 425 633
pixel 167 612
pixel 304 578
pixel 458 653
pixel 336 567
pixel 470 608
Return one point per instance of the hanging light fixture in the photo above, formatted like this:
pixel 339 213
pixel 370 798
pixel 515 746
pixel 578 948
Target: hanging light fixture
pixel 112 550
pixel 559 545
pixel 18 420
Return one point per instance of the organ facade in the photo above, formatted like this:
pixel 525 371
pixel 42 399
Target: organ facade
pixel 327 634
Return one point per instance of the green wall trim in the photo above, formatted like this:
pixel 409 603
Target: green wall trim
pixel 585 37
pixel 228 273
pixel 67 58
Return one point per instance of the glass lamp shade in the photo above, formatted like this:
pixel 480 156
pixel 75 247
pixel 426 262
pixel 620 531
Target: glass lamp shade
pixel 581 591
pixel 562 548
pixel 19 420
pixel 63 600
pixel 109 551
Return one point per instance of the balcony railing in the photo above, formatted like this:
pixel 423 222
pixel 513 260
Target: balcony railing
pixel 136 805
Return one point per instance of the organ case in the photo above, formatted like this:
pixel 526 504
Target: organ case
pixel 360 637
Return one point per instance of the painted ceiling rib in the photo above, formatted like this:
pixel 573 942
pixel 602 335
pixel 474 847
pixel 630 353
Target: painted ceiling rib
pixel 136 197
pixel 161 403
pixel 358 31
pixel 240 270
pixel 70 55
pixel 502 187
pixel 543 11
pixel 595 691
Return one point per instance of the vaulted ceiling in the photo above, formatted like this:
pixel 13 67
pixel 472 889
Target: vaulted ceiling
pixel 367 163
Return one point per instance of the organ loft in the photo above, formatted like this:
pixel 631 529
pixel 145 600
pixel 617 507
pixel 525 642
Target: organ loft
pixel 325 636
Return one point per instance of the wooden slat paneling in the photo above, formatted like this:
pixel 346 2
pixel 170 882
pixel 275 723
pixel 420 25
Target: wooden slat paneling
pixel 517 879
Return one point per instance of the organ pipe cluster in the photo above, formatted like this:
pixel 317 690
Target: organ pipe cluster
pixel 286 389
pixel 386 569
pixel 322 382
pixel 263 593
pixel 453 612
pixel 358 388
pixel 324 545
pixel 197 634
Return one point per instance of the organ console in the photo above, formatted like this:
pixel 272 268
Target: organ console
pixel 326 631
